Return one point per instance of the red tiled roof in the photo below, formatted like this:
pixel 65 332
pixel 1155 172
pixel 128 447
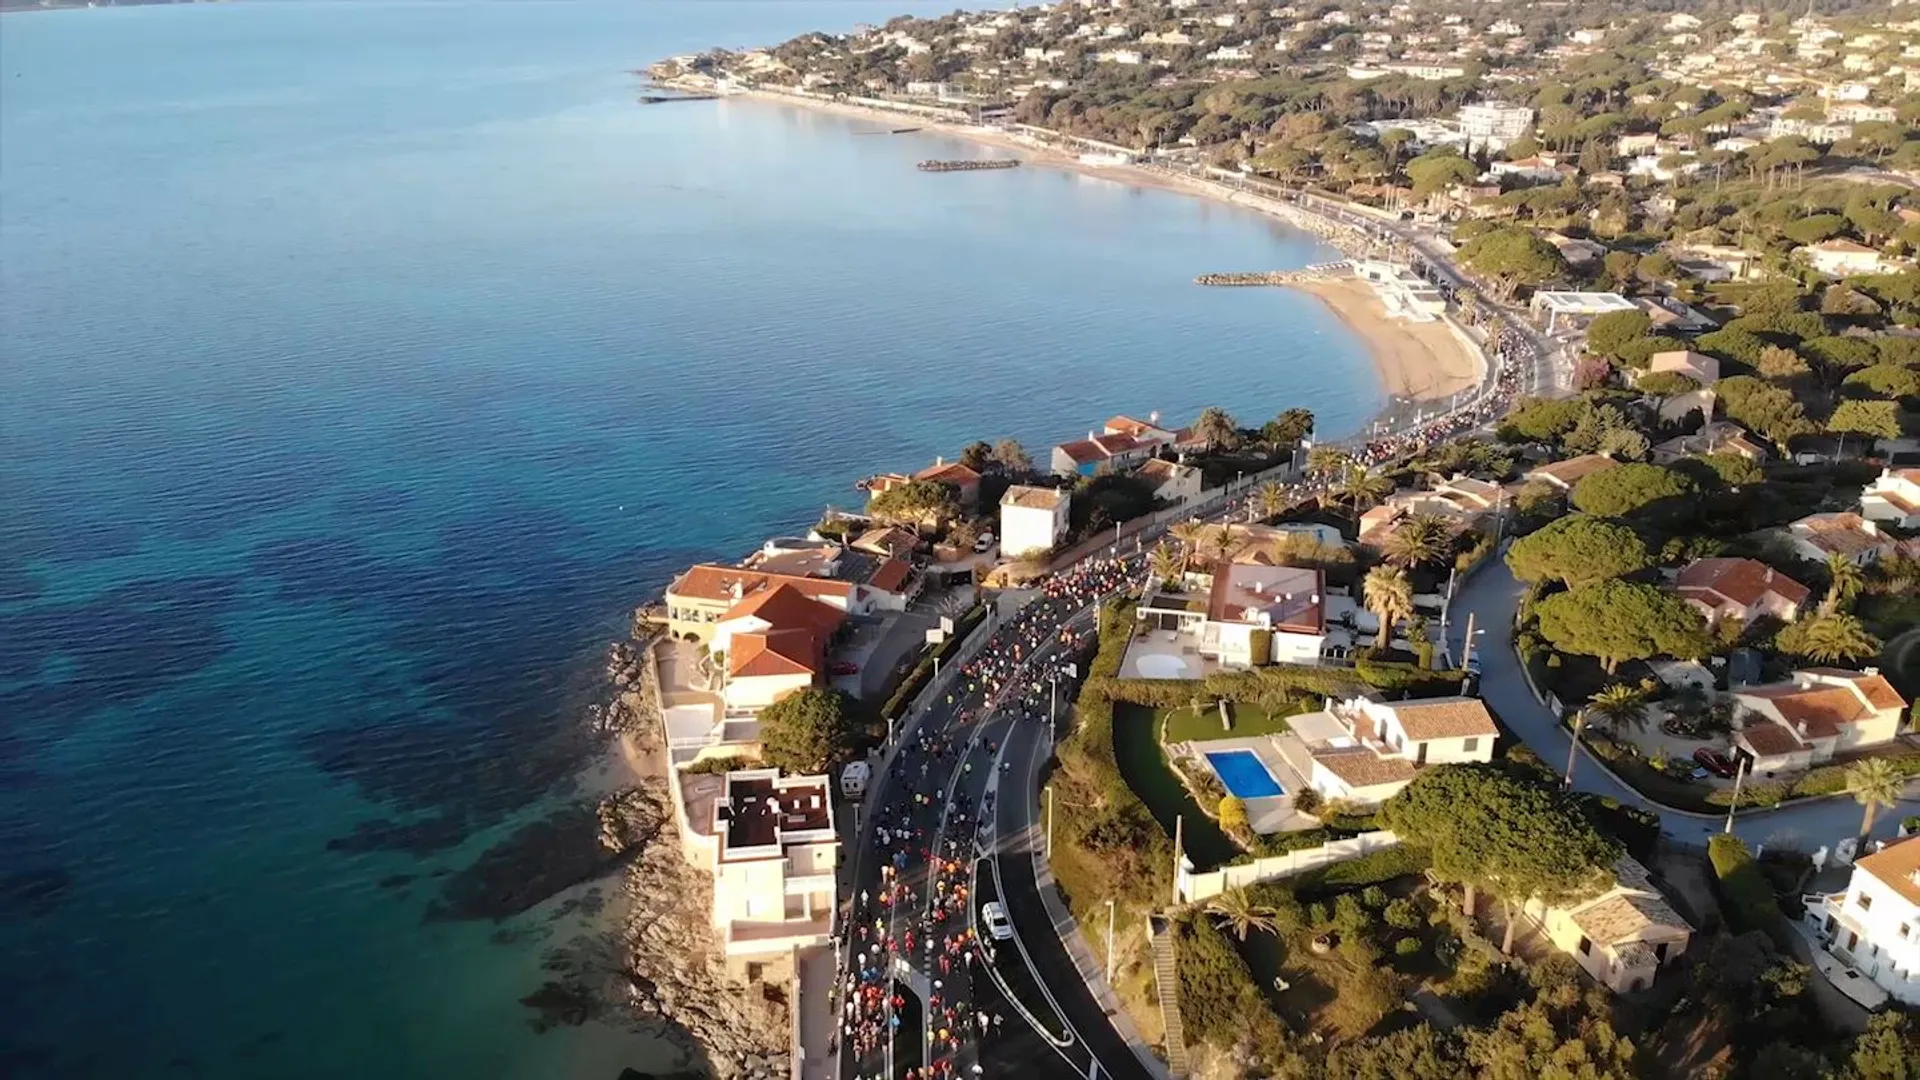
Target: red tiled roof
pixel 711 582
pixel 1100 447
pixel 951 473
pixel 1443 718
pixel 1573 470
pixel 890 575
pixel 1768 739
pixel 1845 534
pixel 1823 709
pixel 1746 582
pixel 785 607
pixel 777 652
pixel 1874 686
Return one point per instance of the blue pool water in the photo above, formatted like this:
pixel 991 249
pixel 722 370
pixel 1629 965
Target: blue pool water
pixel 1244 776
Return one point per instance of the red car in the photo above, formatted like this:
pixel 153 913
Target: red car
pixel 844 667
pixel 1715 762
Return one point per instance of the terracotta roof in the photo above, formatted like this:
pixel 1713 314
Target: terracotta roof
pixel 1843 245
pixel 1823 709
pixel 950 473
pixel 1874 686
pixel 1471 489
pixel 1845 534
pixel 891 540
pixel 1360 767
pixel 1572 470
pixel 1293 599
pixel 1699 366
pixel 890 576
pixel 1895 867
pixel 1768 738
pixel 777 652
pixel 1161 470
pixel 787 608
pixel 711 582
pixel 1744 581
pixel 1032 498
pixel 1127 425
pixel 1443 718
pixel 1100 447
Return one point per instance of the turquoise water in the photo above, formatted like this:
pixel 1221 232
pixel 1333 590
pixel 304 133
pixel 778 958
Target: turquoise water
pixel 361 365
pixel 1244 775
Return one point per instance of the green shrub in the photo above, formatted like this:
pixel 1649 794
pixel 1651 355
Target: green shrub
pixel 1373 897
pixel 1306 800
pixel 1406 946
pixel 1318 915
pixel 722 764
pixel 1403 915
pixel 1369 869
pixel 1233 813
pixel 1358 950
pixel 1744 892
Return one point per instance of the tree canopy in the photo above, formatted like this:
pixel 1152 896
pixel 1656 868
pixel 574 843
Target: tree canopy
pixel 1631 488
pixel 1620 620
pixel 916 502
pixel 805 731
pixel 1578 549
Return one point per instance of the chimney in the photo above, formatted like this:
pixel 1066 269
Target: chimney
pixel 737 590
pixel 1154 417
pixel 1800 728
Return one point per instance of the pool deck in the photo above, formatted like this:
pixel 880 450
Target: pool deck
pixel 1165 654
pixel 1274 813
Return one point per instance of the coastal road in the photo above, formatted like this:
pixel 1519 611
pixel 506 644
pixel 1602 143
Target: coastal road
pixel 1492 595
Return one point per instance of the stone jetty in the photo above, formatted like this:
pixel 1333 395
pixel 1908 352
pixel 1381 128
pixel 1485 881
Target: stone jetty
pixel 969 165
pixel 1257 277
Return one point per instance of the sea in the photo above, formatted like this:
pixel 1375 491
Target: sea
pixel 363 363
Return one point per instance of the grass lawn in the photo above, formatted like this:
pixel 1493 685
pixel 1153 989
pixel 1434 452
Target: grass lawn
pixel 1248 720
pixel 1143 765
pixel 1888 616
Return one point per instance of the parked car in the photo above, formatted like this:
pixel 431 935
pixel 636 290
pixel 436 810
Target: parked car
pixel 844 667
pixel 984 544
pixel 1716 762
pixel 995 917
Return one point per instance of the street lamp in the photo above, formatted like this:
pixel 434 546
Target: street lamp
pixel 1110 921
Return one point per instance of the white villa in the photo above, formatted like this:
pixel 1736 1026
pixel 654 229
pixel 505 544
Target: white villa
pixel 1032 519
pixel 1893 499
pixel 770 844
pixel 1365 751
pixel 1245 614
pixel 1874 926
pixel 1822 712
pixel 1622 937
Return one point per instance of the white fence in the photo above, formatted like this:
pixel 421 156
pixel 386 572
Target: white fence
pixel 1192 886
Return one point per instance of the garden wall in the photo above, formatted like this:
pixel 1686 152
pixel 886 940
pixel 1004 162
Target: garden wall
pixel 1196 886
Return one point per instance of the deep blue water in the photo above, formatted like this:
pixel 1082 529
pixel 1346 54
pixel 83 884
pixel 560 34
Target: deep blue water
pixel 361 365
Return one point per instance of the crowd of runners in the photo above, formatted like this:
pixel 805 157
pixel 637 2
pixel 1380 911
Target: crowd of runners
pixel 925 836
pixel 1510 354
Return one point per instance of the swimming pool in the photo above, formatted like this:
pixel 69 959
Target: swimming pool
pixel 1244 776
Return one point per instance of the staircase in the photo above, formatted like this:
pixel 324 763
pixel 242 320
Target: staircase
pixel 1166 977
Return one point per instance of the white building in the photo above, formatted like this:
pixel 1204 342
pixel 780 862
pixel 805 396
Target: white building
pixel 1874 927
pixel 1245 614
pixel 1032 519
pixel 1365 751
pixel 1821 713
pixel 1622 937
pixel 1843 258
pixel 772 851
pixel 1860 541
pixel 1559 306
pixel 1494 124
pixel 1894 498
pixel 1171 480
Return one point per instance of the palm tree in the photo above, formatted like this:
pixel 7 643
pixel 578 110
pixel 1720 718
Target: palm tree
pixel 1166 563
pixel 1220 541
pixel 1618 706
pixel 1845 583
pixel 1328 461
pixel 1269 499
pixel 1188 533
pixel 1215 427
pixel 1359 486
pixel 1236 911
pixel 1389 596
pixel 1829 639
pixel 1421 539
pixel 1873 784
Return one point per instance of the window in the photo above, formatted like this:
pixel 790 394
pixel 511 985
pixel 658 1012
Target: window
pixel 1470 745
pixel 1586 947
pixel 1905 928
pixel 1865 902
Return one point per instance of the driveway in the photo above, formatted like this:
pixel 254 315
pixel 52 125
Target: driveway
pixel 1493 596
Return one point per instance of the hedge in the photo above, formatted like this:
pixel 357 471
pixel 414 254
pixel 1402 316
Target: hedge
pixel 1825 780
pixel 1273 683
pixel 1744 891
pixel 1372 868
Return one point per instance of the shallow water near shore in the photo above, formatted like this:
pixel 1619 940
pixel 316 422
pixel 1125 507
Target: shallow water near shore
pixel 364 364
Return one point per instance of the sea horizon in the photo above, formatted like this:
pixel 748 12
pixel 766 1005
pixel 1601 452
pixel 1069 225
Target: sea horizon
pixel 367 364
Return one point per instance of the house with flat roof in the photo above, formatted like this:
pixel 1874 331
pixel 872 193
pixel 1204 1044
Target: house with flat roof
pixel 1893 499
pixel 1699 367
pixel 1873 927
pixel 1739 591
pixel 1556 307
pixel 772 850
pixel 1032 519
pixel 1364 751
pixel 1819 713
pixel 1843 258
pixel 1623 936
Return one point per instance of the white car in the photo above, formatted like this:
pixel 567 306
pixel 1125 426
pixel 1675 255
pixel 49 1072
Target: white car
pixel 984 543
pixel 995 917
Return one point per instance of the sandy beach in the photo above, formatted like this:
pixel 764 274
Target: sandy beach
pixel 1418 361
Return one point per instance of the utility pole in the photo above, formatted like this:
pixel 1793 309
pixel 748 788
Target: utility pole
pixel 1579 725
pixel 1737 778
pixel 1179 837
pixel 1466 651
pixel 1110 920
pixel 1049 821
